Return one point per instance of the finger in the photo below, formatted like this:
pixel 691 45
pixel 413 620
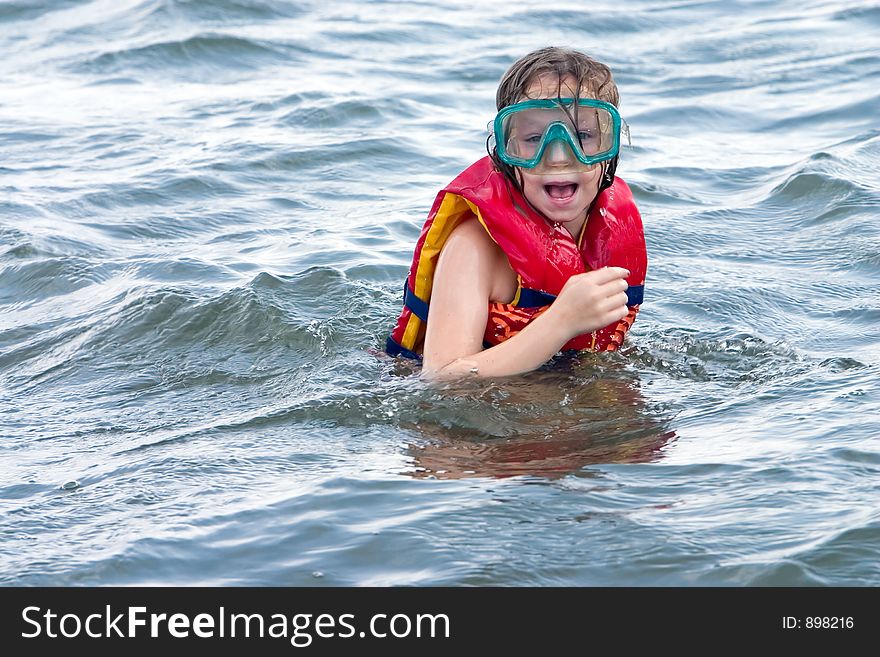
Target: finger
pixel 616 301
pixel 608 274
pixel 615 289
pixel 611 318
pixel 617 314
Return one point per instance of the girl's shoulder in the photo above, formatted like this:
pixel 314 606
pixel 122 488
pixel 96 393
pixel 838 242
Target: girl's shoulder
pixel 470 250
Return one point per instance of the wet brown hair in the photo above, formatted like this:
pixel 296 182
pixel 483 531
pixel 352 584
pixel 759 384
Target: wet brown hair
pixel 593 78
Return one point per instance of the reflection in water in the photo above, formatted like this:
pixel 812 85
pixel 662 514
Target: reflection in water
pixel 547 424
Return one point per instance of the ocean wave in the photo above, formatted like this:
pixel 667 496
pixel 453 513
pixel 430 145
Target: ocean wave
pixel 325 153
pixel 166 191
pixel 846 558
pixel 335 114
pixel 216 52
pixel 870 14
pixel 599 22
pixel 226 11
pixel 830 190
pixel 37 280
pixel 735 357
pixel 17 243
pixel 704 115
pixel 27 136
pixel 261 318
pixel 18 10
pixel 806 189
pixel 852 113
pixel 166 319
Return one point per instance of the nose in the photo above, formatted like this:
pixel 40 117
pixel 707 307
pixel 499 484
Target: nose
pixel 558 152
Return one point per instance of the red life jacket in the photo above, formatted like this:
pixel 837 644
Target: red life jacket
pixel 544 256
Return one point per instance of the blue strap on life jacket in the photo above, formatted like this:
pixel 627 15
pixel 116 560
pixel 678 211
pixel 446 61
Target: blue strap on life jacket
pixel 635 294
pixel 393 349
pixel 529 298
pixel 418 307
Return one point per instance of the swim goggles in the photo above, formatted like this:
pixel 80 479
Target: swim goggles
pixel 557 135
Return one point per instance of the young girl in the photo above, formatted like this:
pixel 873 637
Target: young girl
pixel 537 247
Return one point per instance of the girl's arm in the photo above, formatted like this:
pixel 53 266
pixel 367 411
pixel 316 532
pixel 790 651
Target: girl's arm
pixel 471 270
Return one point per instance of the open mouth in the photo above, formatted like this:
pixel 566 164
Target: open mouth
pixel 561 191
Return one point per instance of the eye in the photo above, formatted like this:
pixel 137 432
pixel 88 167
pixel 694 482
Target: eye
pixel 584 135
pixel 533 139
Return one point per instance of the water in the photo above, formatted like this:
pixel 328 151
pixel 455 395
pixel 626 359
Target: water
pixel 207 209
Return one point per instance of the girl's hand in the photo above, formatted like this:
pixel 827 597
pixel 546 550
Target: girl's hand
pixel 592 300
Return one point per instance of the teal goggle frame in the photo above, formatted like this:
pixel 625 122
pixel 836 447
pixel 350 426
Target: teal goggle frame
pixel 557 130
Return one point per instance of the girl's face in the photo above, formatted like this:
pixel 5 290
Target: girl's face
pixel 563 198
